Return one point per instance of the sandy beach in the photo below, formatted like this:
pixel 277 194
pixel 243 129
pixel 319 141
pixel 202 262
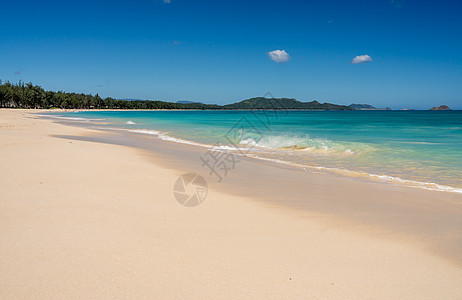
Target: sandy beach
pixel 88 214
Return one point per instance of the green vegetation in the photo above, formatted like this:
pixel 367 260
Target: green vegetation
pixel 283 103
pixel 23 95
pixel 32 96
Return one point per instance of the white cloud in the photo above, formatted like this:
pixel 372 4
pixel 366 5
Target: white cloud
pixel 361 59
pixel 167 1
pixel 279 56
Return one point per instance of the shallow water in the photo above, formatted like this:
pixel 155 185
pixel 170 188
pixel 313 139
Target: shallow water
pixel 417 148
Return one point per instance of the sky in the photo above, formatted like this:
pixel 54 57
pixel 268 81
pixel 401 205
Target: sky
pixel 387 53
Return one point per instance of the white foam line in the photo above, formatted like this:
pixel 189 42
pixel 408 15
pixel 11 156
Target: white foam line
pixel 69 118
pixel 160 135
pixel 222 148
pixel 412 183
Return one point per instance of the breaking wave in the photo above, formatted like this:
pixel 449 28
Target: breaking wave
pixel 309 145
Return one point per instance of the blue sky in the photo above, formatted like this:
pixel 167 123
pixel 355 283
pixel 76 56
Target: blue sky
pixel 218 51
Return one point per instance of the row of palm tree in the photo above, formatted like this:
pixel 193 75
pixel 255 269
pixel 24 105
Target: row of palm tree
pixel 27 95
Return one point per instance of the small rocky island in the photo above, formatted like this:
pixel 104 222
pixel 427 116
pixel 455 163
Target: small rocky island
pixel 442 107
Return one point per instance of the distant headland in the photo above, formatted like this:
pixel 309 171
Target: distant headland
pixel 366 107
pixel 283 104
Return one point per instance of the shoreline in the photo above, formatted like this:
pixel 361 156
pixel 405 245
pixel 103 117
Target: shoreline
pixel 373 177
pixel 365 215
pixel 93 215
pixel 177 109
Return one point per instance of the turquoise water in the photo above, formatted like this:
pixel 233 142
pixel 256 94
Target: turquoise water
pixel 418 148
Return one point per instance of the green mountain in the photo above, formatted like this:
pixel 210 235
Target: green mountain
pixel 283 103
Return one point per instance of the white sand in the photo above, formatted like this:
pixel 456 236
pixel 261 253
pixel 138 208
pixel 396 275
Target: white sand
pixel 89 220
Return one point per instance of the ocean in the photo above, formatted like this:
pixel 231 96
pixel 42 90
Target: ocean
pixel 422 149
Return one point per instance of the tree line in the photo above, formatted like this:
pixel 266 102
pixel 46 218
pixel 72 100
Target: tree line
pixel 27 95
